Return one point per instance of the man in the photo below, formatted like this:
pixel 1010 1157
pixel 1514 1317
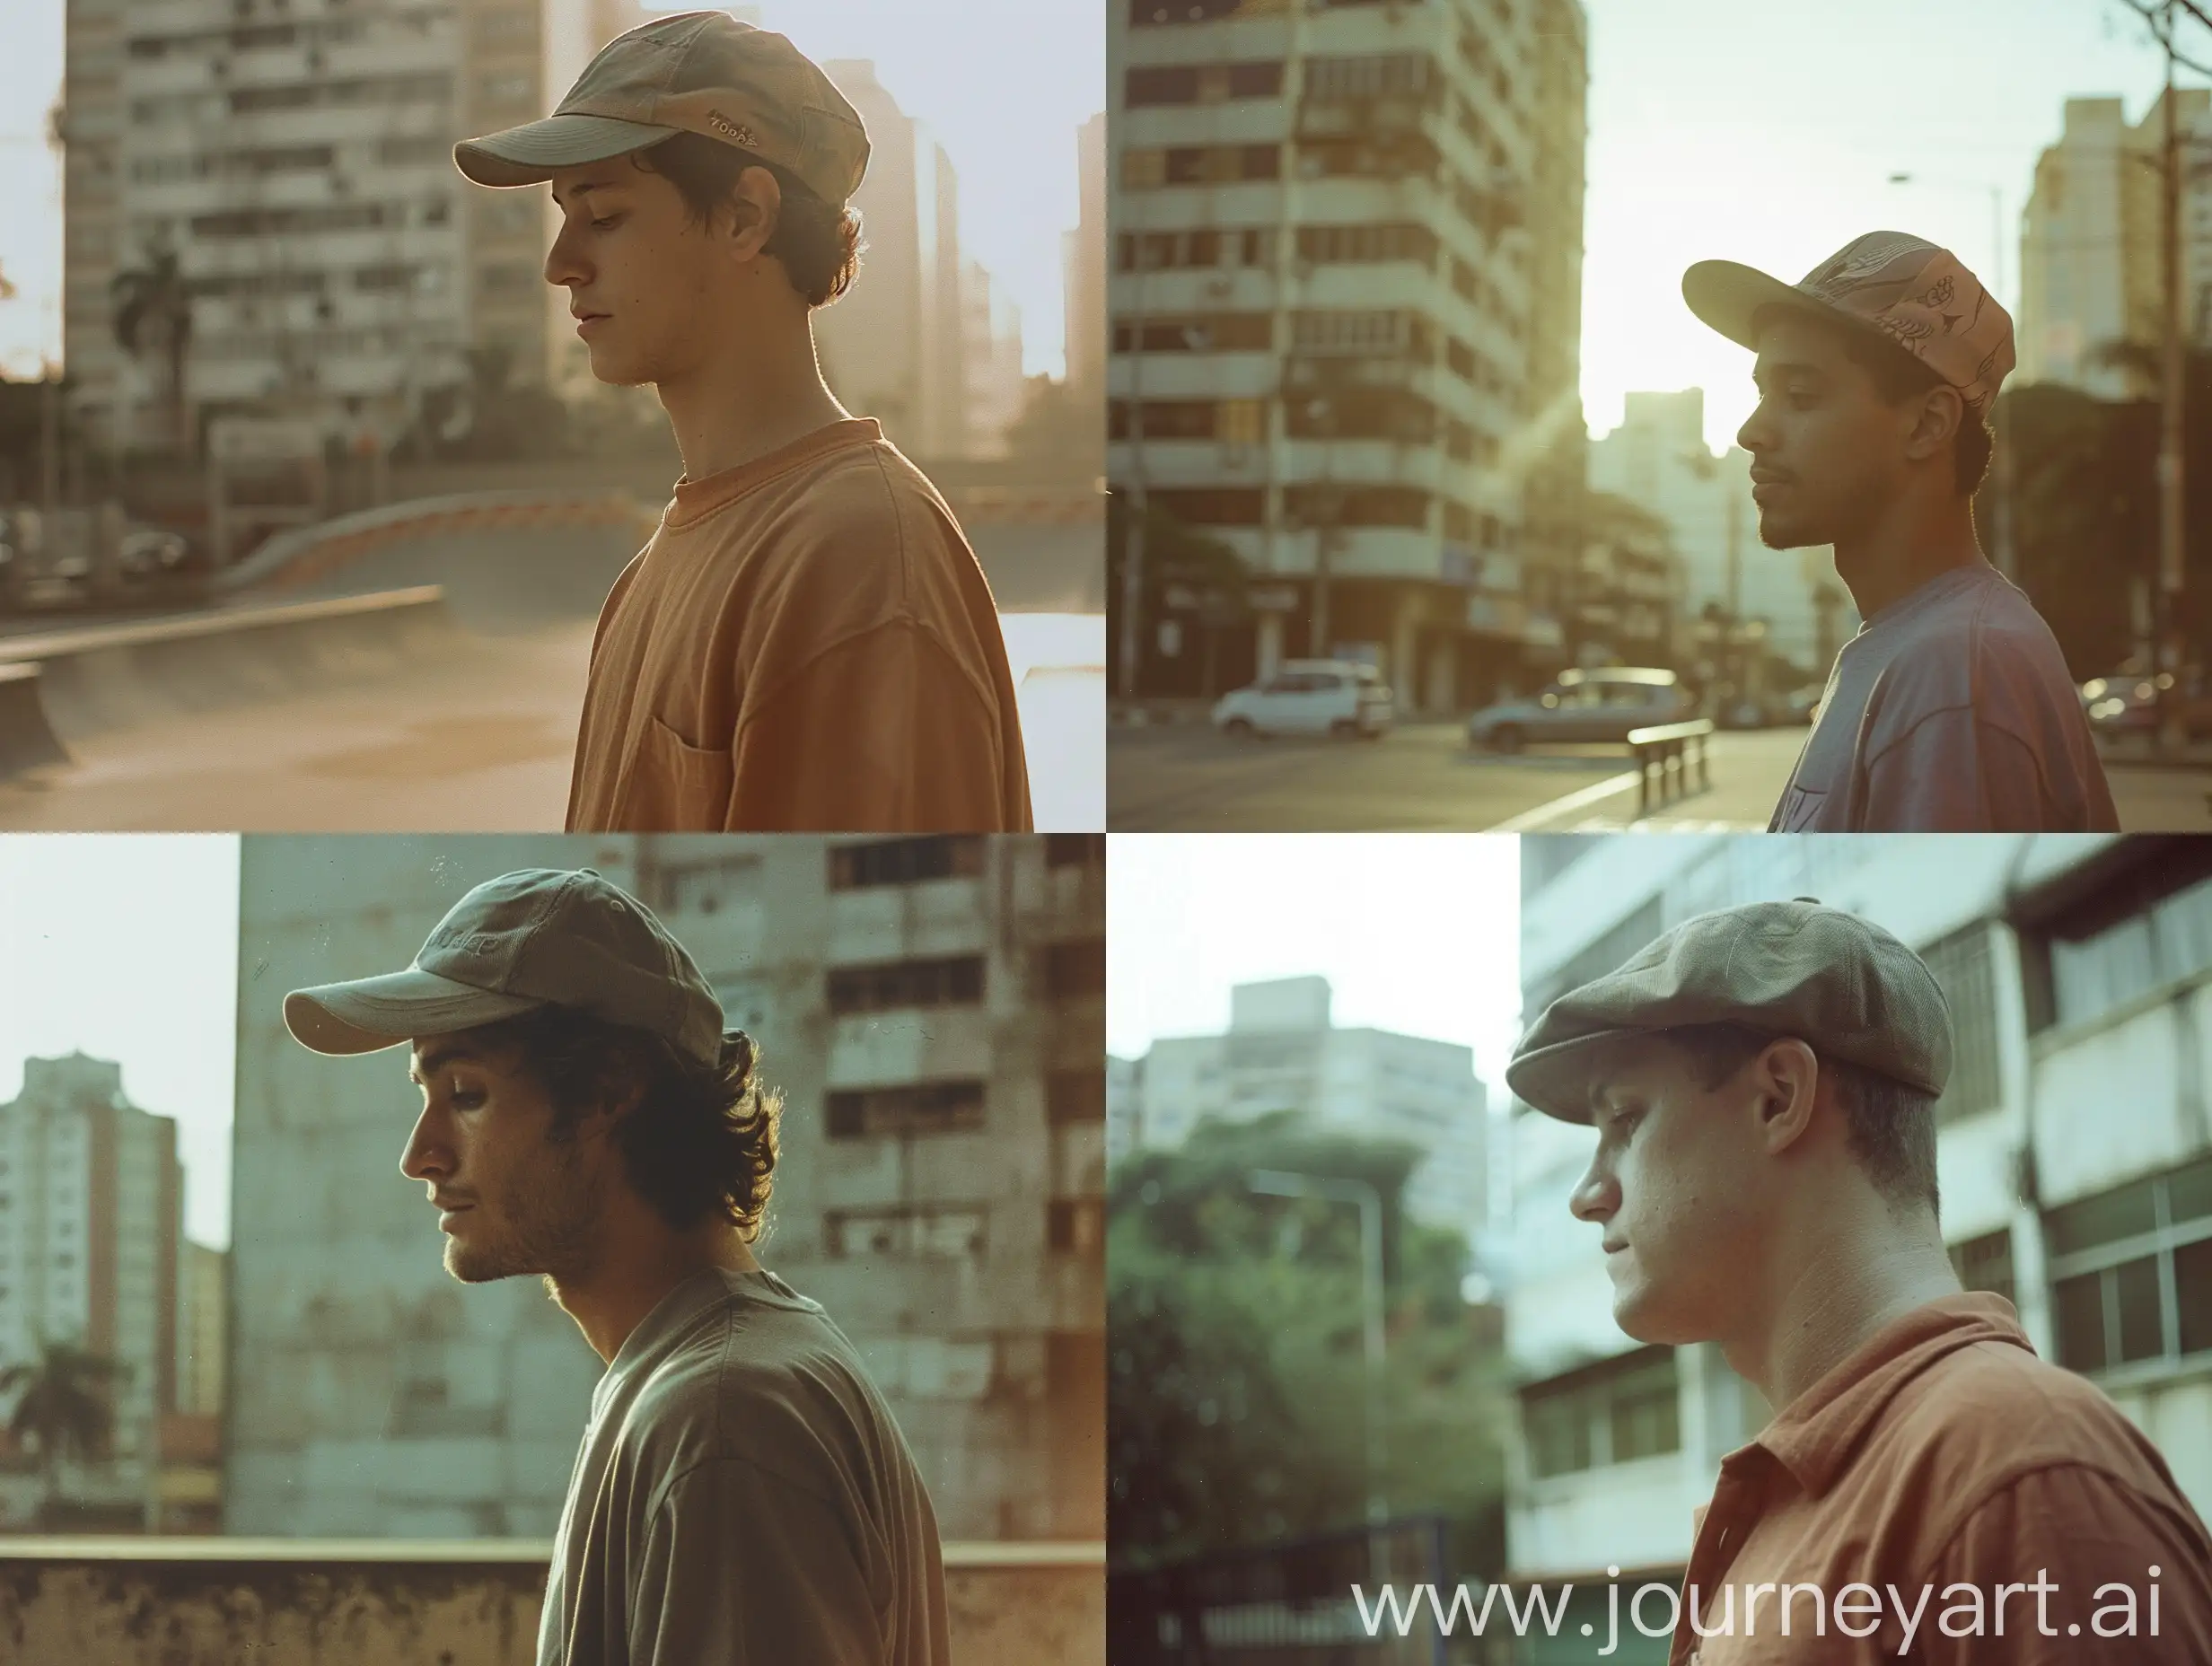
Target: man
pixel 1763 1081
pixel 743 1494
pixel 1952 711
pixel 806 640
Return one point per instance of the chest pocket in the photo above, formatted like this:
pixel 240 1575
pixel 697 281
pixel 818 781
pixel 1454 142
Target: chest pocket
pixel 673 786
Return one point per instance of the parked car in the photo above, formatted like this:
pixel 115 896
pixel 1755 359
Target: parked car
pixel 1310 697
pixel 1602 705
pixel 2128 703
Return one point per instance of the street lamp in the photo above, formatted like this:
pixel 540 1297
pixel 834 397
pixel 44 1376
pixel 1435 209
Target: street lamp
pixel 1276 1183
pixel 2001 459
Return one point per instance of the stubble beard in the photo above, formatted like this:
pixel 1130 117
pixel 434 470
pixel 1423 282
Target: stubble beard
pixel 545 1229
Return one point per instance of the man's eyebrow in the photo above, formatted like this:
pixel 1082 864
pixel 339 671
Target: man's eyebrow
pixel 1761 371
pixel 429 1063
pixel 611 182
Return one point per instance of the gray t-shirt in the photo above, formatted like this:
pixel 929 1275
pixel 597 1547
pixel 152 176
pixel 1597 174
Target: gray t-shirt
pixel 742 1498
pixel 1951 711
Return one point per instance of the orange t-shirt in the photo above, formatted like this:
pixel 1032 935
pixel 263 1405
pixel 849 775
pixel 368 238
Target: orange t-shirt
pixel 806 644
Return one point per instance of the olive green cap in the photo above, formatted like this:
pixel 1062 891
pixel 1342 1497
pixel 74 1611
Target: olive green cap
pixel 691 71
pixel 1840 984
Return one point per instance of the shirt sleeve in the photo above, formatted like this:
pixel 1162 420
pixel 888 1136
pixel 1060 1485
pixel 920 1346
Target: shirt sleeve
pixel 2093 1540
pixel 1930 779
pixel 740 1568
pixel 883 732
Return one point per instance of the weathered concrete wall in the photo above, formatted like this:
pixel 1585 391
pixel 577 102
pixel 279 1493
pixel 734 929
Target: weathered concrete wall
pixel 214 1603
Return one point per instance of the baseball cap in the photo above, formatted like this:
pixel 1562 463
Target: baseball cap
pixel 1840 984
pixel 536 937
pixel 691 71
pixel 1916 294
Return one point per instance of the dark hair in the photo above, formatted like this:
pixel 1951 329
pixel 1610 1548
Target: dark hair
pixel 818 242
pixel 1899 376
pixel 1890 1128
pixel 702 1140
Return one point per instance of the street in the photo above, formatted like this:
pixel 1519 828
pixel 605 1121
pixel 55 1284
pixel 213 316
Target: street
pixel 1184 777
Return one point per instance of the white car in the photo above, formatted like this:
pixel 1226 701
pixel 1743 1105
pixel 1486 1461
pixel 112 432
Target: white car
pixel 1310 697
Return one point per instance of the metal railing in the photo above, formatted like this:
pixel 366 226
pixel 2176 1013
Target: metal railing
pixel 1667 750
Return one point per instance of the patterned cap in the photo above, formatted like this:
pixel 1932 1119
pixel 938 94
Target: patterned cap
pixel 690 71
pixel 1840 984
pixel 1918 295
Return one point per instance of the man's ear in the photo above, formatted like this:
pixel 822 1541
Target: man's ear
pixel 1787 1075
pixel 1941 416
pixel 756 207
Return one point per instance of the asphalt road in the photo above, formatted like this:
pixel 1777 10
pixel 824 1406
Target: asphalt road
pixel 479 741
pixel 1185 778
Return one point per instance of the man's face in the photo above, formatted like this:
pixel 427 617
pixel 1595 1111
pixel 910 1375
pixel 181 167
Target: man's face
pixel 654 288
pixel 526 1204
pixel 1827 453
pixel 1675 1183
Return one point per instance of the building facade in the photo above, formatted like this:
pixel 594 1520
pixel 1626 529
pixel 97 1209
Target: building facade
pixel 992 355
pixel 2075 1153
pixel 1657 458
pixel 933 1011
pixel 296 161
pixel 1326 253
pixel 1084 260
pixel 2092 299
pixel 91 1197
pixel 1283 1052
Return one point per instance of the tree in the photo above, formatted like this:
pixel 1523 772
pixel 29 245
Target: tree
pixel 65 1409
pixel 1236 1374
pixel 152 306
pixel 1187 574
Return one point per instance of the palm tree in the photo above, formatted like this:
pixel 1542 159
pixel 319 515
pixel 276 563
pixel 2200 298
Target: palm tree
pixel 153 309
pixel 64 1410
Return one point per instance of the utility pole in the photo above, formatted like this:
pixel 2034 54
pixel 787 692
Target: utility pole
pixel 2171 481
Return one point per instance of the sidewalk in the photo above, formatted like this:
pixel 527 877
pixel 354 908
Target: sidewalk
pixel 1147 713
pixel 1747 769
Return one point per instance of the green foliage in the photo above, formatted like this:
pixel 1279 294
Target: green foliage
pixel 1236 1368
pixel 64 1410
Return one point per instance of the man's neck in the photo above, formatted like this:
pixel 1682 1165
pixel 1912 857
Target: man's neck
pixel 747 401
pixel 1843 1294
pixel 1904 550
pixel 618 1296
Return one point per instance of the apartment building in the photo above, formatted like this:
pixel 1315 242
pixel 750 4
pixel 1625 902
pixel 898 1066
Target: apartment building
pixel 933 1010
pixel 2092 294
pixel 295 158
pixel 1083 257
pixel 1657 458
pixel 1283 1052
pixel 991 348
pixel 1326 252
pixel 90 1238
pixel 2075 1153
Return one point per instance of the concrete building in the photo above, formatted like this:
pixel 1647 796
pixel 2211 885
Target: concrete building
pixel 992 355
pixel 297 161
pixel 1083 257
pixel 1326 259
pixel 1283 1052
pixel 2073 1153
pixel 2091 238
pixel 91 1200
pixel 1658 459
pixel 1125 1081
pixel 894 346
pixel 201 1352
pixel 933 1010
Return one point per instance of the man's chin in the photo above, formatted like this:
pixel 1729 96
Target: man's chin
pixel 1780 532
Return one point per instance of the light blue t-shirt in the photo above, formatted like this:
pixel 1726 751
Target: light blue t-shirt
pixel 1951 711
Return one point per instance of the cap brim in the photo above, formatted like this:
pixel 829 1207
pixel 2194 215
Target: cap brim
pixel 1729 297
pixel 1555 1079
pixel 533 153
pixel 371 1014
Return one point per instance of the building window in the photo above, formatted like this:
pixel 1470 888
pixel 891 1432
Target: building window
pixel 1145 168
pixel 1153 13
pixel 1210 332
pixel 1075 1096
pixel 1062 850
pixel 1986 1264
pixel 2147 928
pixel 1961 966
pixel 1332 245
pixel 2131 1271
pixel 930 1232
pixel 1075 1226
pixel 1614 1412
pixel 1201 83
pixel 1075 969
pixel 895 985
pixel 913 1108
pixel 905 861
pixel 1211 505
pixel 1316 505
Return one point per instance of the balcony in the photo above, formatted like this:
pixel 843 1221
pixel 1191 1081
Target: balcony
pixel 466 1602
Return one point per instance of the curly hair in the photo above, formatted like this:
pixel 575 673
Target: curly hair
pixel 702 1140
pixel 818 242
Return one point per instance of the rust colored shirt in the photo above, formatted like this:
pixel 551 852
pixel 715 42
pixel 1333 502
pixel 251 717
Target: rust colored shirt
pixel 1944 1453
pixel 806 644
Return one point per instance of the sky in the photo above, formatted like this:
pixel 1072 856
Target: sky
pixel 1418 933
pixel 1765 131
pixel 1011 137
pixel 125 946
